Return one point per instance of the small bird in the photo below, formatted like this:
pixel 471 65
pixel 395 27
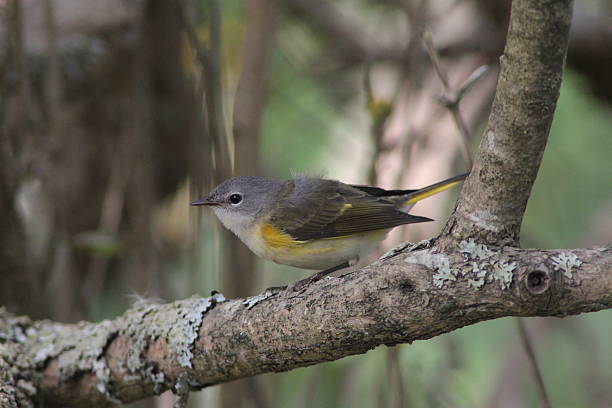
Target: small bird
pixel 314 223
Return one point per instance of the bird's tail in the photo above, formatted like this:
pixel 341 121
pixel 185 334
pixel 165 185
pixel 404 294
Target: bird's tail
pixel 415 196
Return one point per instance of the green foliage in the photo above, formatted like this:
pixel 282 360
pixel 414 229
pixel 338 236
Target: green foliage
pixel 99 243
pixel 574 181
pixel 297 121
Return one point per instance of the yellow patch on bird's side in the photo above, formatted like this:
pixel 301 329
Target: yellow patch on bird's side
pixel 277 238
pixel 429 193
pixel 280 247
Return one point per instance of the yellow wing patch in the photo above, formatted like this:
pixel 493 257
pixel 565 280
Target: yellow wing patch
pixel 278 239
pixel 428 193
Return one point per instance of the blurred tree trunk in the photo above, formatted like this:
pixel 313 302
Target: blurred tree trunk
pixel 590 46
pixel 15 280
pixel 99 124
pixel 249 102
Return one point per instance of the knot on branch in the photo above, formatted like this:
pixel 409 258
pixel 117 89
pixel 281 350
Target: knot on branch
pixel 537 281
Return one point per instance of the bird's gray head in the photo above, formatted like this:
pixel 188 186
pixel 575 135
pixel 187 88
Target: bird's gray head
pixel 238 202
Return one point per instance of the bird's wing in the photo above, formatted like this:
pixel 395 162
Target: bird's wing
pixel 330 209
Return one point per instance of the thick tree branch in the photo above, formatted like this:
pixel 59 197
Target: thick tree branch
pixel 494 197
pixel 207 341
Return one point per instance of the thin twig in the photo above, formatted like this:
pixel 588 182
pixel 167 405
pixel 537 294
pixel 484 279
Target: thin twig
pixel 469 83
pixel 435 59
pixel 451 98
pixel 379 112
pixel 533 362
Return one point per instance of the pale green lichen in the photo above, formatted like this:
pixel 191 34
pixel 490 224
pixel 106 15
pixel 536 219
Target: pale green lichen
pixel 565 262
pixel 44 345
pixel 439 263
pixel 188 330
pixel 484 266
pixel 503 273
pixel 177 323
pixel 140 337
pixel 481 275
pixel 476 283
pixel 102 373
pixel 76 348
pixel 474 250
pixel 181 388
pixel 157 377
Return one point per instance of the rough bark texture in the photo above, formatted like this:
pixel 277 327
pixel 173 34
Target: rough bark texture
pixel 8 390
pixel 495 195
pixel 408 295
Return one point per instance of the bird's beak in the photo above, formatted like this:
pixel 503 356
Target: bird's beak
pixel 206 201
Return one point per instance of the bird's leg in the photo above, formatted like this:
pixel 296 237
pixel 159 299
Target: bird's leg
pixel 301 284
pixel 318 276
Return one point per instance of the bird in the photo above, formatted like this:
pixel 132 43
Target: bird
pixel 314 223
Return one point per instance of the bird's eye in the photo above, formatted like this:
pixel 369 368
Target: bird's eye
pixel 235 198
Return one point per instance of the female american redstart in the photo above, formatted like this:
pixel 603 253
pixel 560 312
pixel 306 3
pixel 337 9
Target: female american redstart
pixel 314 223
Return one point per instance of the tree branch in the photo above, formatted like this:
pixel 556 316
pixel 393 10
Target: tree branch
pixel 205 341
pixel 493 200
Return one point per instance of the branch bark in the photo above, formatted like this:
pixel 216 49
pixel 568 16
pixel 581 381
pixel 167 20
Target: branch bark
pixel 205 341
pixel 494 197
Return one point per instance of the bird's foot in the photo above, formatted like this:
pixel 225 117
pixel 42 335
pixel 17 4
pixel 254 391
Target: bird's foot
pixel 301 285
pixel 276 289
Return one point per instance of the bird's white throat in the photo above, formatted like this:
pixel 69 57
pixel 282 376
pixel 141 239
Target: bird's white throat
pixel 237 223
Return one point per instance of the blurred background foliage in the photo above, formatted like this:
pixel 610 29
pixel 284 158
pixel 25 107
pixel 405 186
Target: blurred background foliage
pixel 116 114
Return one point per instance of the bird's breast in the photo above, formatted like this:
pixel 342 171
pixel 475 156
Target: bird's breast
pixel 277 246
pixel 271 243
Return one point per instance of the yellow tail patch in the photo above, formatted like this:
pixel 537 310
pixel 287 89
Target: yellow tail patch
pixel 428 193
